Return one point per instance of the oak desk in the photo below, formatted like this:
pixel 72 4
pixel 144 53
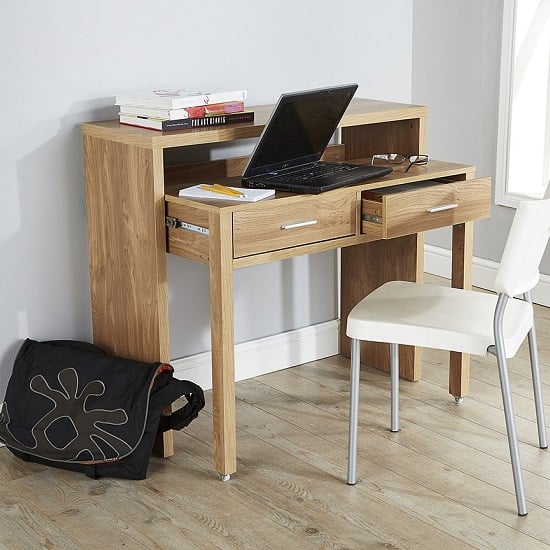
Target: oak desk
pixel 133 212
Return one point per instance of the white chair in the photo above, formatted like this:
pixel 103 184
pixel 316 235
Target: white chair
pixel 467 321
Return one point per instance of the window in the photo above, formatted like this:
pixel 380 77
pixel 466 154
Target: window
pixel 523 156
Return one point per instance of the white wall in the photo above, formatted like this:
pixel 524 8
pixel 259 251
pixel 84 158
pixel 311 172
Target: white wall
pixel 63 61
pixel 456 72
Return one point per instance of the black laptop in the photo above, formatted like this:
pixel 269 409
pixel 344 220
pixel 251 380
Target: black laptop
pixel 287 155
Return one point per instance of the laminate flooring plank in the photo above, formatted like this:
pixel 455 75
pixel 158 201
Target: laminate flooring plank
pixel 411 498
pixel 316 507
pixel 466 423
pixel 292 475
pixel 503 503
pixel 485 386
pixel 148 516
pixel 483 422
pixel 313 486
pixel 240 512
pixel 12 468
pixel 443 482
pixel 41 511
pixel 375 392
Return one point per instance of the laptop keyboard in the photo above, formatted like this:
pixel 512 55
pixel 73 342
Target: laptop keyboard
pixel 310 172
pixel 316 178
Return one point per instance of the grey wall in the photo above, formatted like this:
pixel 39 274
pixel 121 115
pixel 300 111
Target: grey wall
pixel 456 64
pixel 63 61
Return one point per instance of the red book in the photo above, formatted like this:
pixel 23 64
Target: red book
pixel 224 108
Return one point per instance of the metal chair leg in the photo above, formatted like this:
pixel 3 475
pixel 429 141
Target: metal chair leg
pixel 537 386
pixel 508 407
pixel 394 373
pixel 353 409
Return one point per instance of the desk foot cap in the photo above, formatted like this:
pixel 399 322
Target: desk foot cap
pixel 458 398
pixel 225 477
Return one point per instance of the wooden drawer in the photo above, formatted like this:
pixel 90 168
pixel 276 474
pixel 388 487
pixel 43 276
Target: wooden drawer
pixel 405 209
pixel 189 240
pixel 284 225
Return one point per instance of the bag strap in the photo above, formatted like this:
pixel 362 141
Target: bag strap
pixel 184 415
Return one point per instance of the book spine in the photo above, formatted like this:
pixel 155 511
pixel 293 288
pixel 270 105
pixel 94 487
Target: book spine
pixel 186 112
pixel 182 124
pixel 215 109
pixel 210 120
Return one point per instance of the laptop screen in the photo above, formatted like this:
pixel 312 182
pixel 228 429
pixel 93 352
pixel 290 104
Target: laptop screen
pixel 299 129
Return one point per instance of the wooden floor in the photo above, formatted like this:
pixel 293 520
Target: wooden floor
pixel 444 481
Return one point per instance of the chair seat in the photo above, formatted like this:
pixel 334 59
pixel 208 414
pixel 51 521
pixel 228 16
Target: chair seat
pixel 437 317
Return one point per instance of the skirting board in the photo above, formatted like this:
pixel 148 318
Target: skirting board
pixel 299 346
pixel 267 354
pixel 437 261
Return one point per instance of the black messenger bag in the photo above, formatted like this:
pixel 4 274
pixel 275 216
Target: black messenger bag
pixel 71 405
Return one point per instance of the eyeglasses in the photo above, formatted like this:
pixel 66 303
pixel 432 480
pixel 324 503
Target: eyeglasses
pixel 398 158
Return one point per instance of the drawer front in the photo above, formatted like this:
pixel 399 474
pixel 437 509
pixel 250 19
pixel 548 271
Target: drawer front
pixel 421 209
pixel 316 219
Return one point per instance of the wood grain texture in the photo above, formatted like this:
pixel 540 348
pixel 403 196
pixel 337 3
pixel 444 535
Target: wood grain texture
pixel 130 190
pixel 125 213
pixel 222 343
pixel 461 277
pixel 366 267
pixel 186 243
pixel 443 481
pixel 415 210
pixel 258 230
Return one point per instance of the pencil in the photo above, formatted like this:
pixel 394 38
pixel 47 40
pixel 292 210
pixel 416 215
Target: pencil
pixel 223 190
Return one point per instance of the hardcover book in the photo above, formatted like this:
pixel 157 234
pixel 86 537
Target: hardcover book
pixel 178 98
pixel 186 112
pixel 192 122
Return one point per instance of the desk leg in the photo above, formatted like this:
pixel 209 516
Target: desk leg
pixel 222 342
pixel 461 277
pixel 364 268
pixel 127 253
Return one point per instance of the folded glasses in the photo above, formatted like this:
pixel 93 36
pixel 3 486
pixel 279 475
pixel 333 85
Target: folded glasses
pixel 398 158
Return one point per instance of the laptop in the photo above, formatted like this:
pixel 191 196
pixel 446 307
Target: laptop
pixel 287 155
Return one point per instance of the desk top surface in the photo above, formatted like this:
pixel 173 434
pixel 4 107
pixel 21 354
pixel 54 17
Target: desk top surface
pixel 435 169
pixel 360 111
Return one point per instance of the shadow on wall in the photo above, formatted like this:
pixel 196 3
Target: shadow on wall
pixel 6 366
pixel 45 285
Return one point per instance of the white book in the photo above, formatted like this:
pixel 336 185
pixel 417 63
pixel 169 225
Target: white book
pixel 185 112
pixel 201 191
pixel 178 98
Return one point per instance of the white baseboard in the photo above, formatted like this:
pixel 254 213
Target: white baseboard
pixel 265 355
pixel 299 346
pixel 437 261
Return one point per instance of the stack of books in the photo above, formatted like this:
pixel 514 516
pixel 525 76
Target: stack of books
pixel 177 109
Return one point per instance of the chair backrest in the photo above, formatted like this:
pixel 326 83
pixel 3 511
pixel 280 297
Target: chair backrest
pixel 527 240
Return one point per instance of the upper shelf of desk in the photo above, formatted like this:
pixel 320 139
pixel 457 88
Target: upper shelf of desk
pixel 360 112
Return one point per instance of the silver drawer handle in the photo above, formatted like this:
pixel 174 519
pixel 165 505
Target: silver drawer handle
pixel 298 224
pixel 442 207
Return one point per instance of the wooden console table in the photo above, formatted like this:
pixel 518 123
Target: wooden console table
pixel 135 217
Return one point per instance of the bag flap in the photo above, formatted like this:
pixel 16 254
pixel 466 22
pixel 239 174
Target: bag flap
pixel 72 404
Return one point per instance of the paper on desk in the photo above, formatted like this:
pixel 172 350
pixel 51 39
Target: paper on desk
pixel 252 195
